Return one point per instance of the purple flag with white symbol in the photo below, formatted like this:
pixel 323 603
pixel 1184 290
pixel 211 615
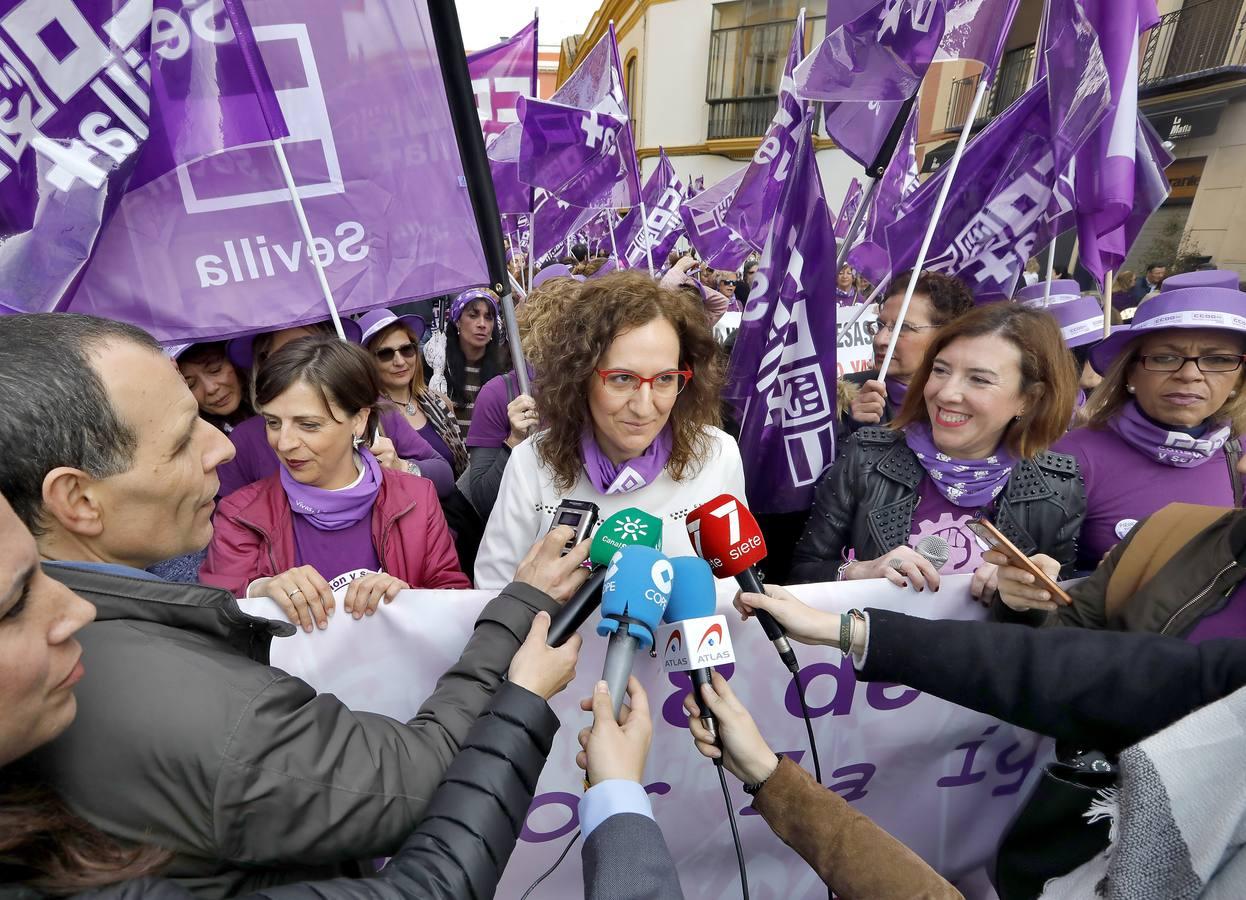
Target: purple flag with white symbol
pixel 584 157
pixel 716 242
pixel 783 367
pixel 662 225
pixel 553 220
pixel 752 209
pixel 883 54
pixel 500 75
pixel 896 185
pixel 213 248
pixel 852 202
pixel 97 100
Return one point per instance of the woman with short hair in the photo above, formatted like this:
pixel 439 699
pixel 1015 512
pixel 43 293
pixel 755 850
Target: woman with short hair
pixel 221 390
pixel 630 404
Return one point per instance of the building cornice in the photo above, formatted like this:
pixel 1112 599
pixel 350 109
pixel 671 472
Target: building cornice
pixel 624 13
pixel 732 148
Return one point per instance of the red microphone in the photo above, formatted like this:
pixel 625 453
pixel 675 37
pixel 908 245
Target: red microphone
pixel 725 534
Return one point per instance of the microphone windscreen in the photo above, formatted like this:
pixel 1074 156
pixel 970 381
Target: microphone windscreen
pixel 725 534
pixel 935 550
pixel 637 586
pixel 693 595
pixel 629 527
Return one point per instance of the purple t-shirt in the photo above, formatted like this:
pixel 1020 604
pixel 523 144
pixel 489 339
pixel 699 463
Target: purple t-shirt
pixel 936 515
pixel 490 424
pixel 344 554
pixel 429 433
pixel 1124 485
pixel 1227 622
pixel 254 459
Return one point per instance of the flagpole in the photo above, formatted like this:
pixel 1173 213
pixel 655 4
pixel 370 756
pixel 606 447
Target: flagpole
pixel 308 239
pixel 944 189
pixel 1107 303
pixel 1051 271
pixel 858 219
pixel 878 289
pixel 644 233
pixel 531 246
pixel 613 246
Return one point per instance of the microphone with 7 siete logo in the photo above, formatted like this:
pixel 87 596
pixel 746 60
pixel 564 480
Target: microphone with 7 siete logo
pixel 725 535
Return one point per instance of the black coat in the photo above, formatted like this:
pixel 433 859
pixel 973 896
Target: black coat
pixel 867 500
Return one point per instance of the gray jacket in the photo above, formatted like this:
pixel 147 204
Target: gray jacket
pixel 626 858
pixel 186 738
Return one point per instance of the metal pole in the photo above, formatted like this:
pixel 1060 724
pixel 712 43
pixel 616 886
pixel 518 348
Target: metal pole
pixel 1051 272
pixel 531 244
pixel 944 189
pixel 512 330
pixel 1107 303
pixel 854 229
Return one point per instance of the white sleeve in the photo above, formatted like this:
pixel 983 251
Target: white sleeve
pixel 513 524
pixel 733 467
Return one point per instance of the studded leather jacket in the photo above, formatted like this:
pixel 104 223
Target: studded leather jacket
pixel 867 500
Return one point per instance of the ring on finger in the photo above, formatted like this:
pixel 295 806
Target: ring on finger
pixel 296 592
pixel 896 563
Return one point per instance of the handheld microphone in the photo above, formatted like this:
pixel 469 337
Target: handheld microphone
pixel 627 527
pixel 692 599
pixel 935 550
pixel 633 597
pixel 725 534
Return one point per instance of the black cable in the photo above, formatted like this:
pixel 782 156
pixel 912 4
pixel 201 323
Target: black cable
pixel 550 871
pixel 735 833
pixel 804 711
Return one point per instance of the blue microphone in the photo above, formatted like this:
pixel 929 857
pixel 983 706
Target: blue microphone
pixel 633 596
pixel 694 597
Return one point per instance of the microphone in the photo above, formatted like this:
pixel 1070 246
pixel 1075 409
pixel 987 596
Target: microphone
pixel 693 598
pixel 633 597
pixel 935 550
pixel 725 534
pixel 627 527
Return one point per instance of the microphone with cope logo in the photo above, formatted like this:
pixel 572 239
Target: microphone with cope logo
pixel 629 527
pixel 725 535
pixel 694 640
pixel 633 597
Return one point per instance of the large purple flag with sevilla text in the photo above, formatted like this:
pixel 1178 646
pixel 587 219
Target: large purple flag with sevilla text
pixel 500 75
pixel 783 366
pixel 662 225
pixel 213 248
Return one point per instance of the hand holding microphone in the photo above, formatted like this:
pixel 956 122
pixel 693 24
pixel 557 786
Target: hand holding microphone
pixel 547 570
pixel 740 746
pixel 615 750
pixel 906 565
pixel 634 595
pixel 802 622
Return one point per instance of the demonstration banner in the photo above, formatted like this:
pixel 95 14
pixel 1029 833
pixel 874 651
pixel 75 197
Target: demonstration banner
pixel 214 249
pixel 944 780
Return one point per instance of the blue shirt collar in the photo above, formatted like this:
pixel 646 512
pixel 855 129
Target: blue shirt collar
pixel 106 568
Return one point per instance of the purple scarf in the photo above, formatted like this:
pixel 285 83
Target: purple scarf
pixel 335 510
pixel 632 474
pixel 1172 448
pixel 896 393
pixel 970 483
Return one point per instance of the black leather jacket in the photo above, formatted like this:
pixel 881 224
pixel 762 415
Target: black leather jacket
pixel 866 502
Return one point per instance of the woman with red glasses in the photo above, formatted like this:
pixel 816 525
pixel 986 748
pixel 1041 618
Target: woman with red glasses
pixel 630 383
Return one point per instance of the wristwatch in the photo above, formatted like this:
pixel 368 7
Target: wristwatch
pixel 845 629
pixel 752 789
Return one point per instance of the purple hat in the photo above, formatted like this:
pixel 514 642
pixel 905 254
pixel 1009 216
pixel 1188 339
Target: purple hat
pixel 1190 307
pixel 1080 318
pixel 241 350
pixel 175 351
pixel 557 270
pixel 1064 290
pixel 1217 278
pixel 378 320
pixel 477 293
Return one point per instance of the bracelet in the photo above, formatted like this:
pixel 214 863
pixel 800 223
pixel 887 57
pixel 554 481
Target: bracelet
pixel 846 621
pixel 839 573
pixel 752 789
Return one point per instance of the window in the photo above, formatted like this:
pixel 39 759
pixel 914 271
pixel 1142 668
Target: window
pixel 629 87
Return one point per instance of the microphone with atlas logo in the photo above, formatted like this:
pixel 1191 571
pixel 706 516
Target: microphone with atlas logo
pixel 693 635
pixel 634 595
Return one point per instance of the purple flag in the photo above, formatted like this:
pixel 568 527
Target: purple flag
pixel 584 157
pixel 553 220
pixel 213 249
pixel 783 367
pixel 501 74
pixel 883 54
pixel 852 202
pixel 98 103
pixel 752 208
pixel 662 226
pixel 717 243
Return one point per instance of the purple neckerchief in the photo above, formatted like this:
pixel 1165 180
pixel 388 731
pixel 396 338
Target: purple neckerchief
pixel 630 475
pixel 965 482
pixel 335 510
pixel 1170 447
pixel 896 392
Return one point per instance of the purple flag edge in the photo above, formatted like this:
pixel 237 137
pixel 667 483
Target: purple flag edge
pixel 265 93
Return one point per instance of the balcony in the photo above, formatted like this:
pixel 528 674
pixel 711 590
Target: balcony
pixel 1011 81
pixel 748 117
pixel 1204 41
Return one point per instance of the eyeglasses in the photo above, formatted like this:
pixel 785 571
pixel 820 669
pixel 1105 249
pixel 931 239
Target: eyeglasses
pixel 906 330
pixel 623 383
pixel 1215 362
pixel 407 350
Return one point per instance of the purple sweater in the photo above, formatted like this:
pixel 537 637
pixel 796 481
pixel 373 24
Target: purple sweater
pixel 254 459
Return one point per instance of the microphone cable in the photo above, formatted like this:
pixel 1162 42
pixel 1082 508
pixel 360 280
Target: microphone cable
pixel 550 871
pixel 735 831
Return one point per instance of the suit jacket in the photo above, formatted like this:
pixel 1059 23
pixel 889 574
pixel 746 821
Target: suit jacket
pixel 626 858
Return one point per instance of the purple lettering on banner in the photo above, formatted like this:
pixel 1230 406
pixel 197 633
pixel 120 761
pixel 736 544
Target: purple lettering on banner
pixel 561 798
pixel 845 684
pixel 876 695
pixel 673 706
pixel 967 775
pixel 854 788
pixel 1021 767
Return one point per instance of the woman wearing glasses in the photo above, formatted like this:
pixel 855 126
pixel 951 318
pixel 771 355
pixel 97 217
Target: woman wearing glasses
pixel 631 401
pixel 994 391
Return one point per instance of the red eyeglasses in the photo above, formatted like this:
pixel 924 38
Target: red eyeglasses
pixel 664 384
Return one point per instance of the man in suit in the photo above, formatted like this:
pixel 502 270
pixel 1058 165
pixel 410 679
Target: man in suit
pixel 1155 275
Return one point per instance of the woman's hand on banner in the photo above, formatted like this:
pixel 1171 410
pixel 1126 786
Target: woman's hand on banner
pixel 365 593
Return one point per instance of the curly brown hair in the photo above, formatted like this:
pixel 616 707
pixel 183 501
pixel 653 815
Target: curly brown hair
pixel 545 304
pixel 583 331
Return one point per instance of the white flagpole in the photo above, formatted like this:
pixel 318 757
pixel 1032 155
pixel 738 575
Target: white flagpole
pixel 644 233
pixel 1107 303
pixel 944 189
pixel 531 245
pixel 614 248
pixel 1051 272
pixel 869 301
pixel 308 239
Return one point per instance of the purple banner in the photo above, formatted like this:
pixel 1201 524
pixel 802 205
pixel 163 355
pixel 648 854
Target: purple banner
pixel 213 249
pixel 662 225
pixel 717 243
pixel 501 74
pixel 852 202
pixel 580 155
pixel 783 367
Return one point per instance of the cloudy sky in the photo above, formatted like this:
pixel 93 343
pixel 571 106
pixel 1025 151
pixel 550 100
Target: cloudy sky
pixel 486 22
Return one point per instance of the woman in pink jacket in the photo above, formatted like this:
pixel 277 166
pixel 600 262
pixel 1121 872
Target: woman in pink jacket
pixel 331 517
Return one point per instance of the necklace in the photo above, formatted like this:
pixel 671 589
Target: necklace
pixel 409 406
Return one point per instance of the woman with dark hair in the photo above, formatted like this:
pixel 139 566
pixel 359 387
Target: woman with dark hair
pixel 475 352
pixel 994 391
pixel 630 380
pixel 332 516
pixel 221 390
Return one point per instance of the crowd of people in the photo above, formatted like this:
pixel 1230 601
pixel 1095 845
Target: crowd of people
pixel 146 488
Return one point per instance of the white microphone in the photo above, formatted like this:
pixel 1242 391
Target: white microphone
pixel 935 550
